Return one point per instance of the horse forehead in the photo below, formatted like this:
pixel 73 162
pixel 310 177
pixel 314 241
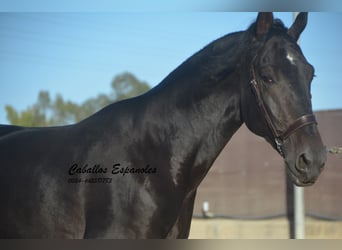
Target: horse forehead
pixel 281 50
pixel 293 56
pixel 290 57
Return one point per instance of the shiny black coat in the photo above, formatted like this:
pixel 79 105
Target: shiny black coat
pixel 132 169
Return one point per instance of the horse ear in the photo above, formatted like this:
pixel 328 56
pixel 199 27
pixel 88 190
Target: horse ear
pixel 264 23
pixel 298 26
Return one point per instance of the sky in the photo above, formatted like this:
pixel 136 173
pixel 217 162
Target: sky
pixel 77 54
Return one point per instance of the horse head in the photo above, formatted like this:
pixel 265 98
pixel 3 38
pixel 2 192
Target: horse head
pixel 277 102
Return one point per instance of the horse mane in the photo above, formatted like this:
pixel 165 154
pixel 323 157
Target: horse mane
pixel 220 52
pixel 225 45
pixel 278 27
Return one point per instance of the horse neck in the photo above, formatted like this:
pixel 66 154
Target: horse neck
pixel 198 111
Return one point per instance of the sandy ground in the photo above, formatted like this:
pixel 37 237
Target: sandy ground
pixel 261 229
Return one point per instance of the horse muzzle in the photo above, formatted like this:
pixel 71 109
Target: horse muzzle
pixel 306 168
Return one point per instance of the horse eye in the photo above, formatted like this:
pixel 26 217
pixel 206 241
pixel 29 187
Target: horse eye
pixel 267 79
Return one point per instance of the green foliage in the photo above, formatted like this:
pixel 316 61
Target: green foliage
pixel 50 112
pixel 127 85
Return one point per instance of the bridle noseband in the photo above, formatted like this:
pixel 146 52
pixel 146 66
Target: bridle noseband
pixel 279 139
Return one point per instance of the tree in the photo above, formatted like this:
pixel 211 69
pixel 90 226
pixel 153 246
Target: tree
pixel 127 85
pixel 57 111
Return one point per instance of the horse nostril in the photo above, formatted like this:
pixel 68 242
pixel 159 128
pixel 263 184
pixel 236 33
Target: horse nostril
pixel 303 162
pixel 308 166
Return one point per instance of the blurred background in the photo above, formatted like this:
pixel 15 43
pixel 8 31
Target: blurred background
pixel 58 68
pixel 245 194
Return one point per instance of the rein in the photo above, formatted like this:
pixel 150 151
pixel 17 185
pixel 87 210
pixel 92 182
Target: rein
pixel 279 138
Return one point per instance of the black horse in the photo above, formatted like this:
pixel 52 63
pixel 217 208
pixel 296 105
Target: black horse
pixel 8 129
pixel 132 169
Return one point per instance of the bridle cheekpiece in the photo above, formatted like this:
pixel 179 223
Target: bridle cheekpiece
pixel 279 138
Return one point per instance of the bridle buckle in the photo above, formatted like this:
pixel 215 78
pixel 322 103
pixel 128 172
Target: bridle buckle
pixel 279 145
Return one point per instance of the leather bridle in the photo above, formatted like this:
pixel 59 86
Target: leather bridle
pixel 279 138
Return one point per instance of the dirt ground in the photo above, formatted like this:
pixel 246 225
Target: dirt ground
pixel 261 229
